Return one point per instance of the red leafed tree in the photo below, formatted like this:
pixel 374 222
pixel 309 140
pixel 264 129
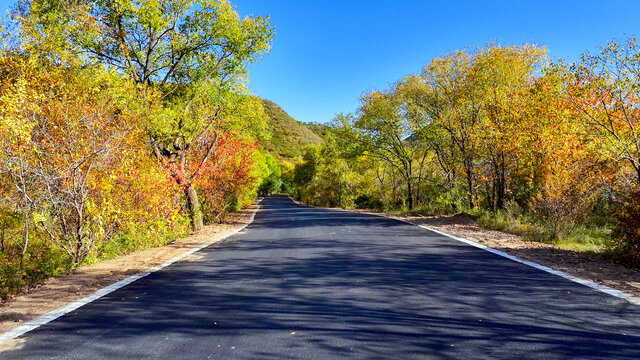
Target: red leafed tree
pixel 226 175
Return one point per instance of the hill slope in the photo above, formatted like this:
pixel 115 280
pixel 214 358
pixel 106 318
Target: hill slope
pixel 317 128
pixel 288 136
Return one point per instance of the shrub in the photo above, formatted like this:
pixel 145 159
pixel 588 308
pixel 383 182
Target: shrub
pixel 363 202
pixel 626 246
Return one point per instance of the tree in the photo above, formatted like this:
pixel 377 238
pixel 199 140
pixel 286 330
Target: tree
pixel 504 77
pixel 272 182
pixel 604 89
pixel 383 131
pixel 229 176
pixel 20 82
pixel 190 57
pixel 447 111
pixel 305 171
pixel 78 128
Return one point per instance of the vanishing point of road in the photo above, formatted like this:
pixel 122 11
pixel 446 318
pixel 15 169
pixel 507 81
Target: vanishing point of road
pixel 310 283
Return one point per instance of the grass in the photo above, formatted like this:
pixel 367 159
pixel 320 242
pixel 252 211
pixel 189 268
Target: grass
pixel 591 239
pixel 583 239
pixel 520 225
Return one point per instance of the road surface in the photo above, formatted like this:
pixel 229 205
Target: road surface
pixel 308 283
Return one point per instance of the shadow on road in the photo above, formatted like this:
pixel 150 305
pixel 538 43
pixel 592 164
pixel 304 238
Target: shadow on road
pixel 313 283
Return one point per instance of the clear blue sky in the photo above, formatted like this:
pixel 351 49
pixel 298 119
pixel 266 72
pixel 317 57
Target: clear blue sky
pixel 326 53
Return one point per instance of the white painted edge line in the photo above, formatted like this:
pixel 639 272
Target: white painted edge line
pixel 50 316
pixel 588 283
pixel 295 201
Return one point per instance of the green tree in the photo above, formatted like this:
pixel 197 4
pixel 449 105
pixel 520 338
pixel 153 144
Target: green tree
pixel 272 182
pixel 384 131
pixel 305 171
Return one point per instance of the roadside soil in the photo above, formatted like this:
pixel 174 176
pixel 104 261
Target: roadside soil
pixel 78 283
pixel 583 265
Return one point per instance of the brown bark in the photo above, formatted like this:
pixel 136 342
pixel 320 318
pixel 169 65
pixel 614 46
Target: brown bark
pixel 194 208
pixel 409 195
pixel 469 183
pixel 501 183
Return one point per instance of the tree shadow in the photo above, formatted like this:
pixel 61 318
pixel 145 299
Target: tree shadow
pixel 343 287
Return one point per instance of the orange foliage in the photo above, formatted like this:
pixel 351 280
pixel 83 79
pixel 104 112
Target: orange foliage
pixel 227 174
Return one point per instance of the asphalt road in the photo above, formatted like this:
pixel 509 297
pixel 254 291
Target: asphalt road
pixel 307 283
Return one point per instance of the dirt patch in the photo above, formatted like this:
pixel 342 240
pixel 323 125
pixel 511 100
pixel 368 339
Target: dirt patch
pixel 12 345
pixel 582 265
pixel 62 290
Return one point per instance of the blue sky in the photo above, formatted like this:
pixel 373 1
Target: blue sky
pixel 326 53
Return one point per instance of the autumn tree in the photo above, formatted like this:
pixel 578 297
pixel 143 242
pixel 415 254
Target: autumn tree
pixel 383 131
pixel 80 127
pixel 21 84
pixel 604 89
pixel 192 54
pixel 229 176
pixel 504 77
pixel 446 107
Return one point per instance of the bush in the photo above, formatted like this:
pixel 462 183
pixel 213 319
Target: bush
pixel 10 279
pixel 363 202
pixel 626 243
pixel 41 262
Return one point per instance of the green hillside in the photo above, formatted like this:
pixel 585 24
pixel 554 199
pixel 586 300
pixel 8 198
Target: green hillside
pixel 288 136
pixel 317 128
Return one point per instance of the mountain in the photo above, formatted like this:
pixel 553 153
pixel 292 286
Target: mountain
pixel 288 136
pixel 317 128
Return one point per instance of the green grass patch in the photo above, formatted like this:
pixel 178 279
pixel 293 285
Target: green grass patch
pixel 583 239
pixel 526 227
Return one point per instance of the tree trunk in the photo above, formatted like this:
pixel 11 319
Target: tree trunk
pixel 500 191
pixel 469 183
pixel 409 195
pixel 490 192
pixel 501 184
pixel 26 240
pixel 194 208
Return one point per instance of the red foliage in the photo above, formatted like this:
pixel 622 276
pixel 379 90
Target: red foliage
pixel 226 173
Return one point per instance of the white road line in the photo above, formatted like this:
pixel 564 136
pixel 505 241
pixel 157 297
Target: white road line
pixel 588 283
pixel 603 288
pixel 50 316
